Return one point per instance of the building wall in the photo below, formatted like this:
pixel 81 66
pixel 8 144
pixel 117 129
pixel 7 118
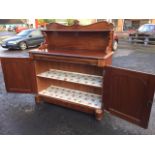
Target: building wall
pixel 119 26
pixel 131 24
pixel 153 21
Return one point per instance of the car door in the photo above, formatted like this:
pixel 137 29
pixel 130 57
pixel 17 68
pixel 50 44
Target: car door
pixel 19 75
pixel 35 38
pixel 129 94
pixel 154 35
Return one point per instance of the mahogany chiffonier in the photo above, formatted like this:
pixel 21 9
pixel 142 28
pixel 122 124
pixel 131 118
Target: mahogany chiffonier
pixel 73 69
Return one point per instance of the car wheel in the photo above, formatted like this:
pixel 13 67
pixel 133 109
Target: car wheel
pixel 146 41
pixel 22 45
pixel 115 45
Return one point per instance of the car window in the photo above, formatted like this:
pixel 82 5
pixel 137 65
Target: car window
pixel 36 33
pixel 146 28
pixel 23 33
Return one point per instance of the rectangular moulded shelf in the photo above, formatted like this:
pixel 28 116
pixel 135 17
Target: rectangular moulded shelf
pixel 74 77
pixel 73 96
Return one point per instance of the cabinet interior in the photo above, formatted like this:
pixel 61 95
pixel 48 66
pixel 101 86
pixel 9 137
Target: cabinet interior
pixel 80 84
pixel 74 96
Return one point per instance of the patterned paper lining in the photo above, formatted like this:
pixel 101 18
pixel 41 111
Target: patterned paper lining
pixel 86 79
pixel 74 96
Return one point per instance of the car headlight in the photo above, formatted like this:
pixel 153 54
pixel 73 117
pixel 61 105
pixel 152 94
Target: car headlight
pixel 12 42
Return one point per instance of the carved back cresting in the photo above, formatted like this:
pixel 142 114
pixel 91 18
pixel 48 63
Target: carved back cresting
pixel 94 37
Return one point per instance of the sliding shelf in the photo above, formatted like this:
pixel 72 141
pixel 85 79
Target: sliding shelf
pixel 74 96
pixel 80 78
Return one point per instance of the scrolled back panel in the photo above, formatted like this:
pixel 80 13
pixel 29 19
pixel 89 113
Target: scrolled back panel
pixel 103 26
pixel 78 40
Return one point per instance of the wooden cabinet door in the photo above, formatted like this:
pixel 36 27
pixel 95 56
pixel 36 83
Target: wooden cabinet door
pixel 19 75
pixel 129 94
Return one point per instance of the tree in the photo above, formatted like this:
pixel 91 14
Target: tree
pixel 70 21
pixel 49 20
pixel 42 21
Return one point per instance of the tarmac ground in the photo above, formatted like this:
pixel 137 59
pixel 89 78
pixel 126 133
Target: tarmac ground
pixel 20 116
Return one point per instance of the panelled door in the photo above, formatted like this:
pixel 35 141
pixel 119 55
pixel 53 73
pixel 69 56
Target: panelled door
pixel 19 75
pixel 129 94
